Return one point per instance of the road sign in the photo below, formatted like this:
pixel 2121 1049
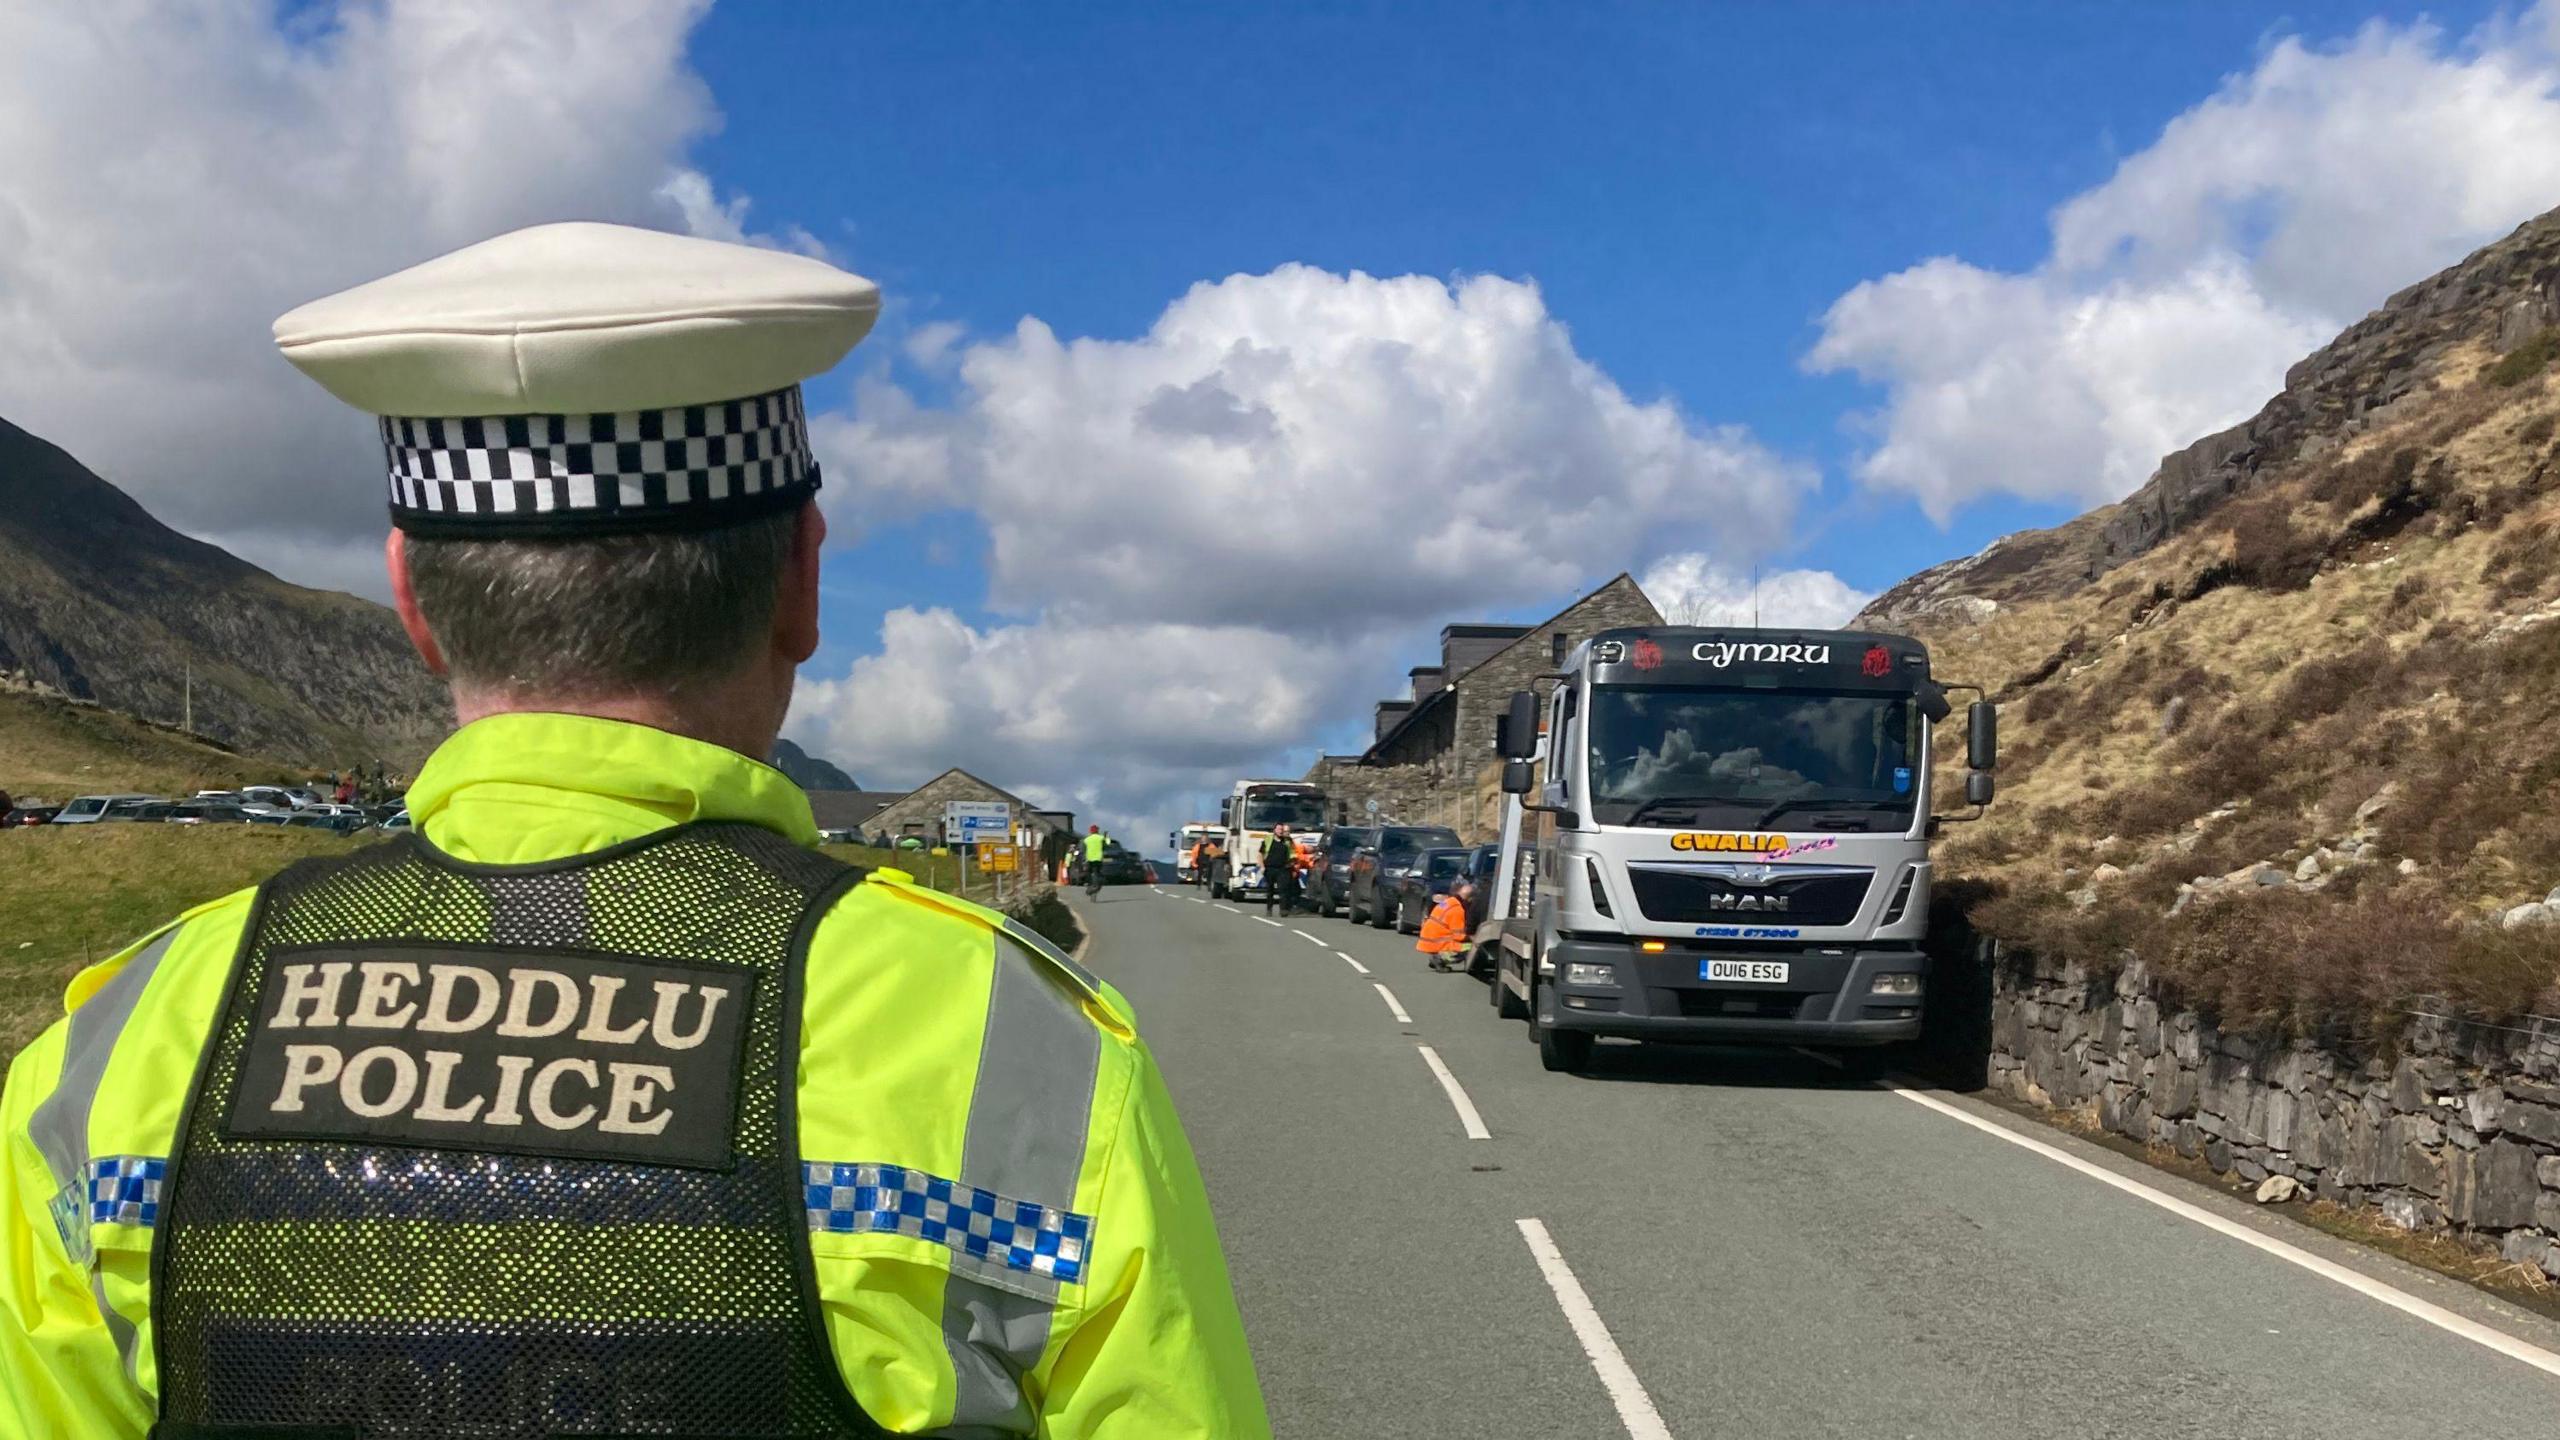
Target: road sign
pixel 995 855
pixel 966 822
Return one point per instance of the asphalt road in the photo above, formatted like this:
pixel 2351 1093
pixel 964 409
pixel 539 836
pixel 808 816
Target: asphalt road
pixel 1765 1249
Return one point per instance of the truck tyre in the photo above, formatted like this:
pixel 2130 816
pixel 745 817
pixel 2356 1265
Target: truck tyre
pixel 1506 1004
pixel 1401 927
pixel 1564 1051
pixel 1351 911
pixel 1379 915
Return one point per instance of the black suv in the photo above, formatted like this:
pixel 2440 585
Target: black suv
pixel 1435 873
pixel 1329 887
pixel 1370 890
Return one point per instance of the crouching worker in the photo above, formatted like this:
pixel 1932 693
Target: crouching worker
pixel 602 1103
pixel 1444 930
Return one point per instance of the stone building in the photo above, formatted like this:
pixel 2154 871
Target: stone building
pixel 919 811
pixel 1432 749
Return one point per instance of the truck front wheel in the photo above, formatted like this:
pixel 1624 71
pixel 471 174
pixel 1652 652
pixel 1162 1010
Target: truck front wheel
pixel 1506 1004
pixel 1567 1051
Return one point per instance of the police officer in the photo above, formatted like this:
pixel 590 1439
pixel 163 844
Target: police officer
pixel 602 1103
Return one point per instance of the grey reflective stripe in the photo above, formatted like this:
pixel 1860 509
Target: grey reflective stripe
pixel 1056 956
pixel 1027 1122
pixel 60 1125
pixel 126 1337
pixel 545 908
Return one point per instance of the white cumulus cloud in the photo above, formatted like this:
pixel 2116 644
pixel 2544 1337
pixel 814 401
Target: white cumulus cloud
pixel 1218 541
pixel 2176 293
pixel 172 177
pixel 1694 590
pixel 1308 450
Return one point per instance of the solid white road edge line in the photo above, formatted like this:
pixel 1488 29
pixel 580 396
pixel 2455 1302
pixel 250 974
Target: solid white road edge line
pixel 1316 941
pixel 1635 1408
pixel 1354 964
pixel 1467 1116
pixel 1390 997
pixel 2365 1285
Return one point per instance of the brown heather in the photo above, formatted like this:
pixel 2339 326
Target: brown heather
pixel 2358 588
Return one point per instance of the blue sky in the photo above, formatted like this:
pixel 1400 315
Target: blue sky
pixel 1690 185
pixel 1232 350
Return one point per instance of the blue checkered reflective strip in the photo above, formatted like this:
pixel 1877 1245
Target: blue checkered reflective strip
pixel 892 1199
pixel 125 1190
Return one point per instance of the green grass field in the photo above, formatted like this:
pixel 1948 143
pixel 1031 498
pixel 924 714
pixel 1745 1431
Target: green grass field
pixel 73 894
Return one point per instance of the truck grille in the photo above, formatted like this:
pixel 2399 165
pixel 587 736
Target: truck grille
pixel 1708 894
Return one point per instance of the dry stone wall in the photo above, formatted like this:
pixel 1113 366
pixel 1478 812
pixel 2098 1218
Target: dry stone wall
pixel 2458 1131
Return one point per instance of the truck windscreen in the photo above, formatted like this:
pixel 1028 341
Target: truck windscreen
pixel 1298 812
pixel 1679 756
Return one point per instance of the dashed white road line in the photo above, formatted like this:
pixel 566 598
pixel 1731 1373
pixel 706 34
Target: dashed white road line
pixel 1266 920
pixel 1315 940
pixel 1354 964
pixel 1194 899
pixel 1390 997
pixel 2362 1284
pixel 1467 1116
pixel 1635 1408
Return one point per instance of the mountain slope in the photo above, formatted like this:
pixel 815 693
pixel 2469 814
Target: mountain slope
pixel 2285 724
pixel 808 771
pixel 102 602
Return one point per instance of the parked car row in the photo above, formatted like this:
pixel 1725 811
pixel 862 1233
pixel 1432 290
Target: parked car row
pixel 284 805
pixel 1387 876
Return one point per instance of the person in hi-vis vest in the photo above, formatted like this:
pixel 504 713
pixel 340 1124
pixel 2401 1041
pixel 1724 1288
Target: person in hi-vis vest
pixel 602 1103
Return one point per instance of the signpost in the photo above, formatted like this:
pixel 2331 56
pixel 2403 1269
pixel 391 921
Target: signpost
pixel 969 823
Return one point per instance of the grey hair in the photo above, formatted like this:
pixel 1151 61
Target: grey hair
pixel 650 614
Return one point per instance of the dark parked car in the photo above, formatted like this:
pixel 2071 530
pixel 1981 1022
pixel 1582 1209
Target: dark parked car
pixel 1482 862
pixel 1371 889
pixel 192 812
pixel 1434 871
pixel 1329 887
pixel 29 815
pixel 1119 867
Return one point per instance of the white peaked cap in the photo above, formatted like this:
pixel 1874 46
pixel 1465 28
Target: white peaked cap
pixel 584 378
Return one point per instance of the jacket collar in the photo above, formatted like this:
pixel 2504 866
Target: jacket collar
pixel 513 789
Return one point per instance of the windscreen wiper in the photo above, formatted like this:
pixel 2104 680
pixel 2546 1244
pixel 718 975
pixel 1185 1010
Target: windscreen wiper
pixel 1687 803
pixel 1818 803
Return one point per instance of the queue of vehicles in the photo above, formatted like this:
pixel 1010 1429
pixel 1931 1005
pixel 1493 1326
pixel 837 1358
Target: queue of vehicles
pixel 1710 836
pixel 280 805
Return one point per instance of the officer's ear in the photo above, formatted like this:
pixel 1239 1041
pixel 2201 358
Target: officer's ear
pixel 795 616
pixel 404 598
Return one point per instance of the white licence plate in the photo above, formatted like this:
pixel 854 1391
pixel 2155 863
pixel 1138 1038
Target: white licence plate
pixel 1756 972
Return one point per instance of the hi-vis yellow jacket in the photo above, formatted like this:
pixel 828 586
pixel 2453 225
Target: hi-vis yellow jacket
pixel 982 1058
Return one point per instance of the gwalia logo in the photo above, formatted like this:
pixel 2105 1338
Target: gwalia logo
pixel 1747 902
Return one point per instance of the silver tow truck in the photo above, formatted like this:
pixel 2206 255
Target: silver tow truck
pixel 1722 836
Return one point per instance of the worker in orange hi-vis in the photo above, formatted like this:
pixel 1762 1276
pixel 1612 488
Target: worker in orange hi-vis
pixel 1444 930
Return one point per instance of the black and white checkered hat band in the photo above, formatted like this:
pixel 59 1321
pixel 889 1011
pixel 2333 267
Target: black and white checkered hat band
pixel 691 467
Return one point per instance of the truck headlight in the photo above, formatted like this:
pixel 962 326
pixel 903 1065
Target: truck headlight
pixel 1904 984
pixel 1579 973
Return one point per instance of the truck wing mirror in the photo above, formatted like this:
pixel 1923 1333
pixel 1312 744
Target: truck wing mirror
pixel 1517 777
pixel 1977 788
pixel 1982 735
pixel 1517 734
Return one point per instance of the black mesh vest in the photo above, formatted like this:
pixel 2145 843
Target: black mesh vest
pixel 505 1151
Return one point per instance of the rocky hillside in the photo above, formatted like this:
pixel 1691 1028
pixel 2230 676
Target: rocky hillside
pixel 808 771
pixel 101 602
pixel 2285 724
